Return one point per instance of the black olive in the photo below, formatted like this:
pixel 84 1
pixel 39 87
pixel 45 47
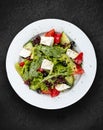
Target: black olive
pixel 45 74
pixel 27 82
pixel 53 78
pixel 64 63
pixel 59 80
pixel 48 84
pixel 38 90
pixel 36 40
pixel 65 45
pixel 60 77
pixel 72 44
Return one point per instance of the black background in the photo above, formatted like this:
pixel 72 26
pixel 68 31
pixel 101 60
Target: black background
pixel 87 114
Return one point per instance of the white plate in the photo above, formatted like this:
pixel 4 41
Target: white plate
pixel 65 98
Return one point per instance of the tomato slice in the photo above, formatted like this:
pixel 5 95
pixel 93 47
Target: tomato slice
pixel 78 60
pixel 79 70
pixel 22 64
pixel 57 38
pixel 50 33
pixel 54 92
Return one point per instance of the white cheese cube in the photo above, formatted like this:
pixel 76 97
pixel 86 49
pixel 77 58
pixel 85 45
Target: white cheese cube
pixel 47 65
pixel 61 87
pixel 72 54
pixel 25 53
pixel 48 41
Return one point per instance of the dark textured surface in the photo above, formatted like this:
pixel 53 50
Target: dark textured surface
pixel 87 114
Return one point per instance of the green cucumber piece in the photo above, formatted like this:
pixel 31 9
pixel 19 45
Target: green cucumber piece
pixel 28 46
pixel 70 80
pixel 64 39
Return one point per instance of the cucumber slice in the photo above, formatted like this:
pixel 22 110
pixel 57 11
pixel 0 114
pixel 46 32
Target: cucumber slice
pixel 64 39
pixel 28 46
pixel 70 80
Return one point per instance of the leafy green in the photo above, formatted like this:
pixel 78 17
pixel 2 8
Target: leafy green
pixel 33 68
pixel 53 75
pixel 36 53
pixel 36 83
pixel 69 61
pixel 51 51
pixel 56 54
pixel 25 75
pixel 18 68
pixel 59 68
pixel 25 70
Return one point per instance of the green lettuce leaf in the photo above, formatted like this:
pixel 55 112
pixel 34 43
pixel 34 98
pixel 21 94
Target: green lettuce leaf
pixel 18 69
pixel 36 83
pixel 25 70
pixel 51 51
pixel 33 68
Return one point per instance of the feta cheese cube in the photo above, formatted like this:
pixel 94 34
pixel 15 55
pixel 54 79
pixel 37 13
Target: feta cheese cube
pixel 72 54
pixel 48 41
pixel 61 87
pixel 25 53
pixel 47 65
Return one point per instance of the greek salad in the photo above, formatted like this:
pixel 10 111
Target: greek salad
pixel 49 62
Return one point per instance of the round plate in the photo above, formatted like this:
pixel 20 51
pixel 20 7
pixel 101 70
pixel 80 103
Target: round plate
pixel 65 98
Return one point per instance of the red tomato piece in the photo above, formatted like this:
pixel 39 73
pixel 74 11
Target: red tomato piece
pixel 50 33
pixel 79 70
pixel 78 60
pixel 57 38
pixel 22 64
pixel 54 92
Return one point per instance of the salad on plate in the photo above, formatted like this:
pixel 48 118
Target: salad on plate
pixel 49 63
